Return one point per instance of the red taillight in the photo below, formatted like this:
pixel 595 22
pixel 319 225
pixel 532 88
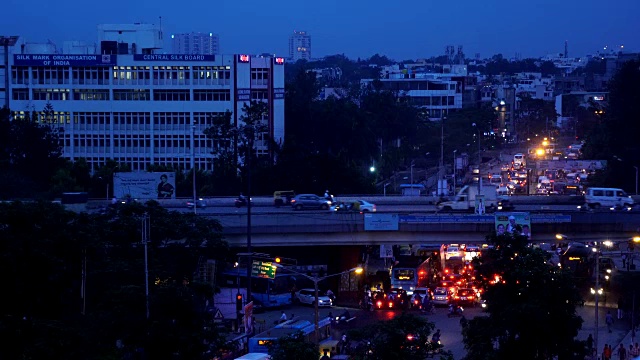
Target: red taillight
pixel 379 304
pixel 390 304
pixel 293 200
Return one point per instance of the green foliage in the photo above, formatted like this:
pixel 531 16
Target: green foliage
pixel 531 309
pixel 48 251
pixel 403 337
pixel 615 134
pixel 29 156
pixel 293 347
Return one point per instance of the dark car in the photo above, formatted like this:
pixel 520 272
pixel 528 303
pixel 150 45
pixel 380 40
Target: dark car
pixel 466 296
pixel 200 203
pixel 310 201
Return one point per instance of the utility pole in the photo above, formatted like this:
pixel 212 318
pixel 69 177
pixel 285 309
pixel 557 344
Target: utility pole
pixel 441 169
pixel 145 240
pixel 454 171
pixel 597 295
pixel 193 166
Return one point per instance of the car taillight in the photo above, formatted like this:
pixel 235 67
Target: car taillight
pixel 293 200
pixel 390 304
pixel 379 304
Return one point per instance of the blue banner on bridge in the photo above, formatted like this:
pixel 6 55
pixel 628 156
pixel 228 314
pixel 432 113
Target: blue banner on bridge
pixel 413 219
pixel 380 222
pixel 550 218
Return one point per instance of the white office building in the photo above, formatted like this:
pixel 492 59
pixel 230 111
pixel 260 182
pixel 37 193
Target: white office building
pixel 196 43
pixel 142 108
pixel 300 46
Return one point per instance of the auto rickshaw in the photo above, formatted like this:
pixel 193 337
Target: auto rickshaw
pixel 283 197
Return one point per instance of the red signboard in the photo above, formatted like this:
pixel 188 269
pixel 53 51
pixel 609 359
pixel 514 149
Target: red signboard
pixel 279 61
pixel 243 58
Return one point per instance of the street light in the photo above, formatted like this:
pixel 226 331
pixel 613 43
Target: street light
pixel 412 165
pixel 479 160
pixel 316 280
pixel 454 171
pixel 193 166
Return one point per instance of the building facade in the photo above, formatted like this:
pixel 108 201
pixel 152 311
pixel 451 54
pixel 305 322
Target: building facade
pixel 300 46
pixel 144 109
pixel 196 43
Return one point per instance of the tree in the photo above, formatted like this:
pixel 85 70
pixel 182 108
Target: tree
pixel 404 337
pixel 531 305
pixel 30 155
pixel 293 347
pixel 614 135
pixel 48 251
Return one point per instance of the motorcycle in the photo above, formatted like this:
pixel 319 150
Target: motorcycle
pixel 240 202
pixel 342 318
pixel 366 305
pixel 455 311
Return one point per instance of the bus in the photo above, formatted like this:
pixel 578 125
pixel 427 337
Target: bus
pixel 266 293
pixel 410 272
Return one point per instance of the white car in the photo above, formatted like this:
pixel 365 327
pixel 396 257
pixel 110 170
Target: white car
pixel 452 251
pixel 366 206
pixel 308 296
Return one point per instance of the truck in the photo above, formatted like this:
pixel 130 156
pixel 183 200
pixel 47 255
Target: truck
pixel 519 161
pixel 465 200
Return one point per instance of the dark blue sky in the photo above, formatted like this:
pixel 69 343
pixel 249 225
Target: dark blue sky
pixel 399 29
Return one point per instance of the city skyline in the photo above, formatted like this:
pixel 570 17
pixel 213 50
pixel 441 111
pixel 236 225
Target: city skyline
pixel 356 29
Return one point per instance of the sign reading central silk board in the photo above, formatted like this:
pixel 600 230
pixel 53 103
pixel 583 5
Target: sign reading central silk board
pixel 173 57
pixel 144 185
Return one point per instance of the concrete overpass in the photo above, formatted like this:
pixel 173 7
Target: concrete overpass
pixel 320 228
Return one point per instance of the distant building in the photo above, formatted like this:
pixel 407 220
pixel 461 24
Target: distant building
pixel 436 93
pixel 196 43
pixel 141 107
pixel 300 46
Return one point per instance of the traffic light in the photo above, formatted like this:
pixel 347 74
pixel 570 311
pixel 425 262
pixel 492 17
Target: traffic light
pixel 238 302
pixel 278 260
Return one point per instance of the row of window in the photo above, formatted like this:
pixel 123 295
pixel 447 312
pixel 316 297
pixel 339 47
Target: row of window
pixel 121 75
pixel 128 95
pixel 137 143
pixel 144 163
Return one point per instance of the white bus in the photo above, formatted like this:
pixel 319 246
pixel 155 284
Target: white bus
pixel 519 161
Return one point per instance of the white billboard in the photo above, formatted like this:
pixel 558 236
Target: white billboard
pixel 144 185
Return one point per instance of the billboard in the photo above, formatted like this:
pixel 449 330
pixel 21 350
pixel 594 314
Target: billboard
pixel 144 185
pixel 380 222
pixel 516 223
pixel 63 60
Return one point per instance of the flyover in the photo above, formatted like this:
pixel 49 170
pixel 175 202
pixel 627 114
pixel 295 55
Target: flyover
pixel 330 229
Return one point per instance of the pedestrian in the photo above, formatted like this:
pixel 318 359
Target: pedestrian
pixel 620 307
pixel 606 352
pixel 622 352
pixel 609 320
pixel 590 344
pixel 624 260
pixel 630 352
pixel 636 350
pixel 283 317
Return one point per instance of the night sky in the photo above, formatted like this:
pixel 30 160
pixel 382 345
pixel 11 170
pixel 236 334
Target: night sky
pixel 406 29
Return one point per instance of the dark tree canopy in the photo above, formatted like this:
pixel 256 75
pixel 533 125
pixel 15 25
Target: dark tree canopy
pixel 531 305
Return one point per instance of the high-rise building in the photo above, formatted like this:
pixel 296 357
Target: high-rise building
pixel 142 108
pixel 196 43
pixel 300 46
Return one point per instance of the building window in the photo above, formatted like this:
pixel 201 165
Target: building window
pixel 211 95
pixel 51 94
pixel 259 76
pixel 20 94
pixel 20 74
pixel 171 95
pixel 90 94
pixel 132 95
pixel 90 75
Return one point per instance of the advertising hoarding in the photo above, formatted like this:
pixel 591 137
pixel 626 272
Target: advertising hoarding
pixel 144 185
pixel 516 223
pixel 380 222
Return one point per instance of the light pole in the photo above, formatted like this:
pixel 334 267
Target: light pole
pixel 454 171
pixel 412 165
pixel 479 160
pixel 316 280
pixel 193 166
pixel 145 240
pixel 384 190
pixel 7 41
pixel 441 169
pixel 635 167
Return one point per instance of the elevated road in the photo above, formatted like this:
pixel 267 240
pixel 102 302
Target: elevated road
pixel 322 228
